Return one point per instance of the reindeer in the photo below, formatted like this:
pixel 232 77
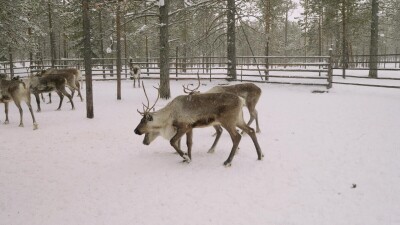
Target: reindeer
pixel 15 90
pixel 184 113
pixel 135 74
pixel 249 91
pixel 54 82
pixel 72 75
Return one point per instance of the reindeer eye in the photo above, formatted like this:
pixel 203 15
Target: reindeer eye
pixel 149 118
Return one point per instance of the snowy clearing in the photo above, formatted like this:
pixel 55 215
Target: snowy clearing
pixel 330 158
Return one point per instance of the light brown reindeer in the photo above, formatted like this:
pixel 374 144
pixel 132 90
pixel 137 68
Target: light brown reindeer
pixel 55 82
pixel 72 75
pixel 135 74
pixel 17 91
pixel 249 91
pixel 186 112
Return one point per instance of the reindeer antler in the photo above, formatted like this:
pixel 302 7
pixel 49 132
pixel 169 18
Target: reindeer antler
pixel 147 108
pixel 189 91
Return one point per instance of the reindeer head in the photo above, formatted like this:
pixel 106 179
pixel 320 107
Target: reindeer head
pixel 147 124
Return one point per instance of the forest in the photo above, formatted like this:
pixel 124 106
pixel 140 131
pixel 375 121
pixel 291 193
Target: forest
pixel 182 33
pixel 52 29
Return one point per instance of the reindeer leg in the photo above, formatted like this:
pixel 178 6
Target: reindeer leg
pixel 49 98
pixel 6 112
pixel 61 99
pixel 235 136
pixel 253 115
pixel 35 125
pixel 28 103
pixel 218 133
pixel 252 134
pixel 72 90
pixel 174 143
pixel 38 101
pixel 18 104
pixel 69 97
pixel 41 94
pixel 78 86
pixel 189 142
pixel 257 126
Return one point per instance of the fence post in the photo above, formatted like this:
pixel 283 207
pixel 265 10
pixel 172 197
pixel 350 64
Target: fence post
pixel 130 66
pixel 330 72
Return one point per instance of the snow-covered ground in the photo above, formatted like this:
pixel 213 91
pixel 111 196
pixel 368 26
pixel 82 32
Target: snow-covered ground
pixel 330 158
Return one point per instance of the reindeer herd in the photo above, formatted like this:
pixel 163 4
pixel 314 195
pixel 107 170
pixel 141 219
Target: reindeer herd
pixel 220 107
pixel 49 80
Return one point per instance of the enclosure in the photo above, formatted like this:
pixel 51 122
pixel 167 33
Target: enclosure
pixel 330 158
pixel 329 112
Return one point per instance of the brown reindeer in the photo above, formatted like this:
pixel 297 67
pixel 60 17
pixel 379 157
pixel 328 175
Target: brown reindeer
pixel 55 82
pixel 72 75
pixel 184 113
pixel 135 74
pixel 17 91
pixel 249 91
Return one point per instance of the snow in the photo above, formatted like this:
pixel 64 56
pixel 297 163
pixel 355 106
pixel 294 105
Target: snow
pixel 330 158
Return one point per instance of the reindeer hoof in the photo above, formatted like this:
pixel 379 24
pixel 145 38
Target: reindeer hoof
pixel 21 125
pixel 212 150
pixel 35 126
pixel 6 122
pixel 186 159
pixel 227 164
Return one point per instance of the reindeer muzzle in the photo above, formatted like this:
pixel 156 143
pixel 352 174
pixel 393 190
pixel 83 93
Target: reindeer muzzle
pixel 138 132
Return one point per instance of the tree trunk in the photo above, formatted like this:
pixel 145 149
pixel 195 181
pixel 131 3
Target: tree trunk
pixel 125 47
pixel 164 51
pixel 10 51
pixel 65 44
pixel 52 39
pixel 119 61
pixel 267 20
pixel 101 41
pixel 183 36
pixel 345 53
pixel 87 58
pixel 231 36
pixel 286 27
pixel 146 46
pixel 373 59
pixel 30 51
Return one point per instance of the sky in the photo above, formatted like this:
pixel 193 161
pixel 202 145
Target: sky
pixel 296 13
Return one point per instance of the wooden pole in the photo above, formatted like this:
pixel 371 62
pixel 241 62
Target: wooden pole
pixel 330 72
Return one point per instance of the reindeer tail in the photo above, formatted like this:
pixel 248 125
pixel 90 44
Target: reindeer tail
pixel 243 101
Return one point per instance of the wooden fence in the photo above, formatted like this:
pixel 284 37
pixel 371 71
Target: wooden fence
pixel 357 71
pixel 297 70
pixel 300 70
